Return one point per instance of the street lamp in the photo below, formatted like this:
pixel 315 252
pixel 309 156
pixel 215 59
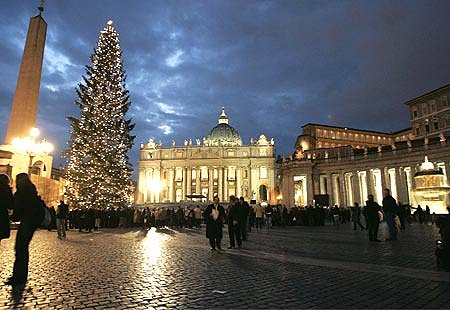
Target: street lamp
pixel 29 146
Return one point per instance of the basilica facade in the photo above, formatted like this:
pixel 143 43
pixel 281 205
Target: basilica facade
pixel 219 164
pixel 339 166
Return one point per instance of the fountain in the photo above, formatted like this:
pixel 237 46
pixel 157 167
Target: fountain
pixel 431 188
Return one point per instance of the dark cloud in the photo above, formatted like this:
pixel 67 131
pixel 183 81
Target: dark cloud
pixel 274 65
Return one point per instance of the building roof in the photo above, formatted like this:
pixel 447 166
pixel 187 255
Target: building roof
pixel 428 94
pixel 355 129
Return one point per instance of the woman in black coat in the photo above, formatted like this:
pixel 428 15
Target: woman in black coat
pixel 28 209
pixel 6 202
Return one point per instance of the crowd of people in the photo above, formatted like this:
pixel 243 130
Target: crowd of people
pixel 240 217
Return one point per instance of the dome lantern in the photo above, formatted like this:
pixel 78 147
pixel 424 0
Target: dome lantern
pixel 223 134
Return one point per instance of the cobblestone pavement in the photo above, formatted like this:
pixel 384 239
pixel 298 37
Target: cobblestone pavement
pixel 281 268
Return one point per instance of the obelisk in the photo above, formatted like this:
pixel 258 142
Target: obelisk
pixel 25 102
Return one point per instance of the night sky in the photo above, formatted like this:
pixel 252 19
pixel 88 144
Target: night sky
pixel 273 65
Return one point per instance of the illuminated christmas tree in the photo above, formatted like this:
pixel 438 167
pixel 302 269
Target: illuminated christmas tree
pixel 98 169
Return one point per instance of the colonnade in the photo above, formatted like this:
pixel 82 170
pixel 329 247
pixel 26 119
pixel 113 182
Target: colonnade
pixel 346 186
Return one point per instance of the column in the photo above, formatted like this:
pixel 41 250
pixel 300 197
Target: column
pixel 189 181
pixel 343 191
pixel 355 188
pixel 183 184
pixel 384 178
pixel 316 188
pixel 220 184
pixel 157 192
pixel 330 189
pixel 198 190
pixel 309 189
pixel 210 183
pixel 370 184
pixel 170 182
pixel 250 185
pixel 400 185
pixel 225 185
pixel 239 182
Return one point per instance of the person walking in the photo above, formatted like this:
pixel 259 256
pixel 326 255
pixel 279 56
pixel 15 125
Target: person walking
pixel 61 215
pixel 245 211
pixel 6 202
pixel 259 212
pixel 372 211
pixel 389 209
pixel 214 216
pixel 29 210
pixel 356 216
pixel 234 222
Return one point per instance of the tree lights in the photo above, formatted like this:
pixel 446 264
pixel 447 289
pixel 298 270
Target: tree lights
pixel 99 170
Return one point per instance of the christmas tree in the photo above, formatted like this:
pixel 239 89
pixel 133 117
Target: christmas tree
pixel 98 168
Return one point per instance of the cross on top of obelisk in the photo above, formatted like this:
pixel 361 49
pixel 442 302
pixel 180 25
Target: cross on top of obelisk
pixel 41 7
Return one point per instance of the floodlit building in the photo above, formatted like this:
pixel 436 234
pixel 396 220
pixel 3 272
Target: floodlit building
pixel 219 164
pixel 338 165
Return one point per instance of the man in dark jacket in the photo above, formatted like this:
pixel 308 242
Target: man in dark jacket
pixel 245 210
pixel 234 222
pixel 390 212
pixel 371 211
pixel 214 216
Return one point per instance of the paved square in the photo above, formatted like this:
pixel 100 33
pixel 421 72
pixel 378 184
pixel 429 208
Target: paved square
pixel 292 267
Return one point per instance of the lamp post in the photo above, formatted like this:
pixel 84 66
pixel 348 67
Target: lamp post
pixel 29 146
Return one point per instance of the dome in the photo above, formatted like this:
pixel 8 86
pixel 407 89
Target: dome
pixel 223 134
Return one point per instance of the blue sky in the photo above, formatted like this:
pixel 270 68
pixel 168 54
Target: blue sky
pixel 274 65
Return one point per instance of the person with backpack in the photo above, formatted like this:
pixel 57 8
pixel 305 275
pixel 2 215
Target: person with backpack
pixel 28 209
